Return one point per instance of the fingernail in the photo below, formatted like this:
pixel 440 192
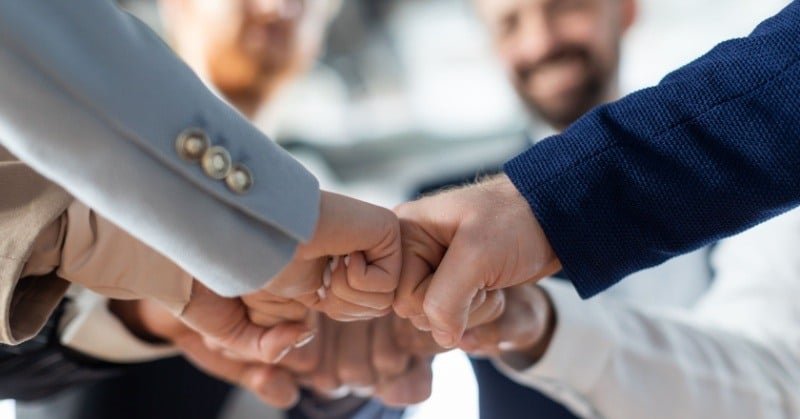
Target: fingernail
pixel 364 392
pixel 326 277
pixel 421 323
pixel 282 355
pixel 334 263
pixel 304 339
pixel 506 346
pixel 347 261
pixel 444 339
pixel 321 293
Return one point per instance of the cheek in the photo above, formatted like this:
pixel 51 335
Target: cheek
pixel 510 55
pixel 220 17
pixel 580 29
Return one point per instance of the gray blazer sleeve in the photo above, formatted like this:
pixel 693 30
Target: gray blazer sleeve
pixel 95 101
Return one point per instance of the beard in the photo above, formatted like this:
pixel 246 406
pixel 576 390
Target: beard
pixel 241 66
pixel 587 83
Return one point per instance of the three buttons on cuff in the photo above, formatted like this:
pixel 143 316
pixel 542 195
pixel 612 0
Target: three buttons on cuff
pixel 193 145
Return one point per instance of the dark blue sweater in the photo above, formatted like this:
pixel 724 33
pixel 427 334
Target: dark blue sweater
pixel 712 150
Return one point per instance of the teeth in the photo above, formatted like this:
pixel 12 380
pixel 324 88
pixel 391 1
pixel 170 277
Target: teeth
pixel 322 293
pixel 339 393
pixel 364 391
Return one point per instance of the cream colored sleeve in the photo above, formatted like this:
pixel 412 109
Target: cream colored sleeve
pixel 88 250
pixel 101 257
pixel 89 327
pixel 30 207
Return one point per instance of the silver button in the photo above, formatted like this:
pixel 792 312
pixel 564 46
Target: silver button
pixel 239 180
pixel 192 144
pixel 216 162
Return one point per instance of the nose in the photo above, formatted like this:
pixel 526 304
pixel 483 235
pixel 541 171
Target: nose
pixel 536 38
pixel 277 9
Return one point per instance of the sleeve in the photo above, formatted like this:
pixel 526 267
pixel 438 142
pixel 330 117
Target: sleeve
pixel 88 327
pixel 94 101
pixel 710 151
pixel 734 356
pixel 30 211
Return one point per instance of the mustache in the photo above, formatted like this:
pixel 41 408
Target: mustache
pixel 527 69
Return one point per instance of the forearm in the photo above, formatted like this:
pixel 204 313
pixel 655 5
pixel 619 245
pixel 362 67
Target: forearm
pixel 706 153
pixel 95 101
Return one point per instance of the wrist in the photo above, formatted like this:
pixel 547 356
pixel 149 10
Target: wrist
pixel 545 320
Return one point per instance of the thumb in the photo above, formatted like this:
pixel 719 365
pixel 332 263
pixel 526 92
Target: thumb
pixel 452 289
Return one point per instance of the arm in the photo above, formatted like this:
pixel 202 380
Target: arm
pixel 708 152
pixel 734 356
pixel 93 100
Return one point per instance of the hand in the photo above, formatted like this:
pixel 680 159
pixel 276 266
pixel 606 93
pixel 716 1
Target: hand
pixel 359 285
pixel 461 243
pixel 365 359
pixel 224 324
pixel 152 322
pixel 523 331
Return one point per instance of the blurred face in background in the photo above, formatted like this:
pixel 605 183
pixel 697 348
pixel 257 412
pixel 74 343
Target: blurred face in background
pixel 562 55
pixel 242 44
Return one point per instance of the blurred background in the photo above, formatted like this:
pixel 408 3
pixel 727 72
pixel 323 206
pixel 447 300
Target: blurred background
pixel 408 91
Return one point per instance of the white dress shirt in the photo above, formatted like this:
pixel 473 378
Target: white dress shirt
pixel 735 354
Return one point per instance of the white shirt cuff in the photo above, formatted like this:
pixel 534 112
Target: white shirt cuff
pixel 578 353
pixel 88 327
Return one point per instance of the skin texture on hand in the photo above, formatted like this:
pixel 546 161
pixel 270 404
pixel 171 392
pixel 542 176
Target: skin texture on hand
pixel 274 385
pixel 363 358
pixel 359 285
pixel 463 243
pixel 523 331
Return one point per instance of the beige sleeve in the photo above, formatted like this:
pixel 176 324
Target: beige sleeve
pixel 30 208
pixel 100 256
pixel 42 230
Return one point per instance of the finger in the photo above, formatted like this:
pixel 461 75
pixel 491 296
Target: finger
pixel 269 314
pixel 414 341
pixel 340 285
pixel 325 378
pixel 272 385
pixel 304 359
pixel 410 388
pixel 515 329
pixel 477 301
pixel 345 311
pixel 421 321
pixel 489 310
pixel 453 287
pixel 225 321
pixel 421 255
pixel 353 366
pixel 388 358
pixel 348 225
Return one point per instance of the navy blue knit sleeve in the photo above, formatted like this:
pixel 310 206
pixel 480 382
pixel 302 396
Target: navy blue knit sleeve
pixel 712 150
